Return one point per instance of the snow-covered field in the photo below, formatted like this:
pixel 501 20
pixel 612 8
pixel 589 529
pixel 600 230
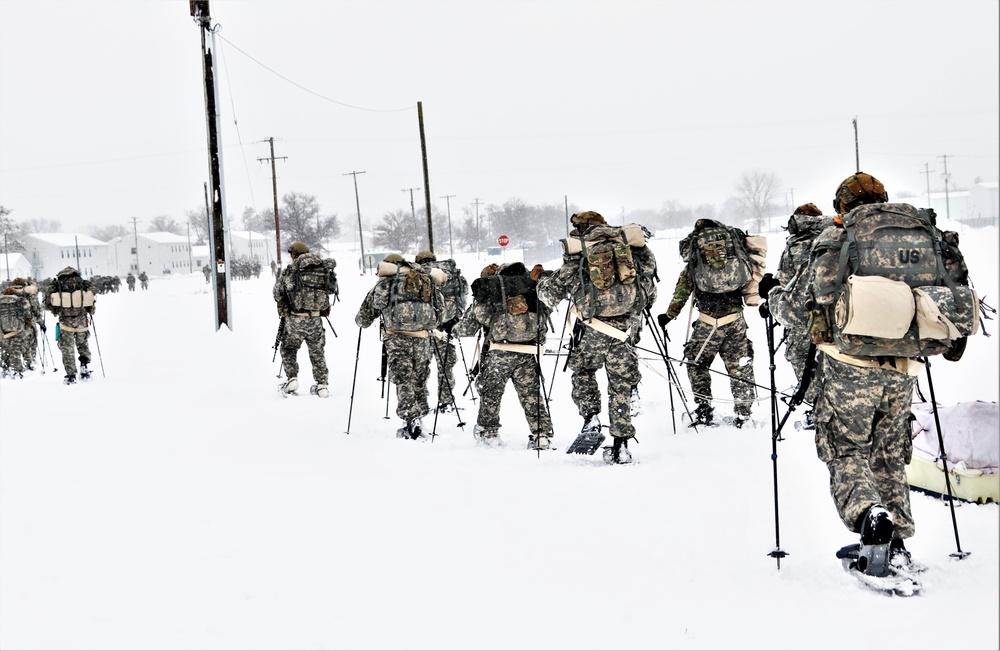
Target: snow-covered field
pixel 177 501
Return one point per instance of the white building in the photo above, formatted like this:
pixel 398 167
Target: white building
pixel 159 254
pixel 14 265
pixel 49 253
pixel 252 244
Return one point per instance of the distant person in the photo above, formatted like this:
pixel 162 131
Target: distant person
pixel 513 322
pixel 71 300
pixel 207 270
pixel 717 270
pixel 130 281
pixel 609 287
pixel 455 291
pixel 144 280
pixel 409 304
pixel 302 293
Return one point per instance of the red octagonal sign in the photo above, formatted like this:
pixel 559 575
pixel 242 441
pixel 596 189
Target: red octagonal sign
pixel 503 240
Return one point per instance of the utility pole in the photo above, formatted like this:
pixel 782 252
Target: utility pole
pixel 478 237
pixel 927 173
pixel 427 181
pixel 947 205
pixel 357 202
pixel 566 209
pixel 413 211
pixel 135 234
pixel 217 234
pixel 857 155
pixel 274 186
pixel 451 243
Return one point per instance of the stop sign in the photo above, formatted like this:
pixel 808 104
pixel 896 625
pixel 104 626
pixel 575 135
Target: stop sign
pixel 503 240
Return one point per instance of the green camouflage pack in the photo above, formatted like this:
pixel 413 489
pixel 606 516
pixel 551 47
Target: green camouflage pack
pixel 608 271
pixel 718 257
pixel 13 313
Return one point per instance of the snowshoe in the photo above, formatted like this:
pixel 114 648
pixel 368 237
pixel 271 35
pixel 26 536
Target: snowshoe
pixel 807 421
pixel 897 582
pixel 617 452
pixel 740 422
pixel 320 390
pixel 542 443
pixel 900 559
pixel 487 438
pixel 703 417
pixel 444 408
pixel 589 439
pixel 69 379
pixel 289 387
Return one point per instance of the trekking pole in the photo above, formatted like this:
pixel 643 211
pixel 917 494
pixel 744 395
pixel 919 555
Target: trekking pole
pixel 458 342
pixel 944 462
pixel 447 384
pixel 670 385
pixel 98 342
pixel 672 378
pixel 777 554
pixel 558 351
pixel 357 356
pixel 331 325
pixel 277 338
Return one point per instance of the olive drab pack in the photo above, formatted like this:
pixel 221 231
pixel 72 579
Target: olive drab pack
pixel 608 270
pixel 407 301
pixel 900 288
pixel 791 309
pixel 720 259
pixel 517 316
pixel 13 313
pixel 455 289
pixel 72 295
pixel 312 281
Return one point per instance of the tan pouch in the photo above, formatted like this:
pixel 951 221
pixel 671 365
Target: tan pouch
pixel 939 318
pixel 875 307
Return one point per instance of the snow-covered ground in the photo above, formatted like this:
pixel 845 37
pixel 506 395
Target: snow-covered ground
pixel 177 501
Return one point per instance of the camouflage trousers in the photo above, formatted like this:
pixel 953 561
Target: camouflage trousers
pixel 72 344
pixel 863 435
pixel 12 353
pixel 409 368
pixel 445 357
pixel 309 329
pixel 594 351
pixel 797 354
pixel 730 342
pixel 30 335
pixel 522 370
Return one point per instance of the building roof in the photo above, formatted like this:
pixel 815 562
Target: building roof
pixel 66 239
pixel 165 238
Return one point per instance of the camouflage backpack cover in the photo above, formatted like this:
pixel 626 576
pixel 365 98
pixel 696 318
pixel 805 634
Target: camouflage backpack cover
pixel 455 289
pixel 899 286
pixel 408 297
pixel 71 295
pixel 311 281
pixel 516 314
pixel 13 312
pixel 789 301
pixel 718 257
pixel 608 271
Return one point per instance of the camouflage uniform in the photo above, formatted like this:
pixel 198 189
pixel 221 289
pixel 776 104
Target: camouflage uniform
pixel 14 308
pixel 144 280
pixel 130 279
pixel 306 325
pixel 592 349
pixel 862 410
pixel 407 343
pixel 525 333
pixel 34 318
pixel 446 350
pixel 74 324
pixel 728 341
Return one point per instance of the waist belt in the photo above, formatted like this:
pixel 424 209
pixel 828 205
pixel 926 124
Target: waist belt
pixel 66 328
pixel 721 321
pixel 903 365
pixel 12 334
pixel 305 314
pixel 530 349
pixel 601 326
pixel 409 333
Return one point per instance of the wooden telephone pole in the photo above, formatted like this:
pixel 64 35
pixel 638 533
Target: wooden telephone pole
pixel 274 186
pixel 217 234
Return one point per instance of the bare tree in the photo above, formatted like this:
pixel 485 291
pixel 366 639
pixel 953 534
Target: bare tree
pixel 108 233
pixel 165 224
pixel 300 220
pixel 755 198
pixel 11 232
pixel 394 231
pixel 198 221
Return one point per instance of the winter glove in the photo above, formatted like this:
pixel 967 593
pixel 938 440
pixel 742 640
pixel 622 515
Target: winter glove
pixel 537 272
pixel 764 311
pixel 766 284
pixel 449 324
pixel 325 312
pixel 42 326
pixel 663 320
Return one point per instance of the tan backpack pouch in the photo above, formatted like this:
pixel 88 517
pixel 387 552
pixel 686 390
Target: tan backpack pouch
pixel 878 307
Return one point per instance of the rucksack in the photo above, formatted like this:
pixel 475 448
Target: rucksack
pixel 720 261
pixel 71 294
pixel 13 314
pixel 455 289
pixel 407 301
pixel 313 280
pixel 511 300
pixel 900 288
pixel 789 303
pixel 608 271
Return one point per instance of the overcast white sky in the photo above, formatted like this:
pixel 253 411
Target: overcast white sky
pixel 617 105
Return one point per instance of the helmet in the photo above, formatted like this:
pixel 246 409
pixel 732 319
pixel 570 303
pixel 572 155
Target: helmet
pixel 588 217
pixel 425 256
pixel 68 271
pixel 19 282
pixel 393 257
pixel 808 209
pixel 858 189
pixel 298 248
